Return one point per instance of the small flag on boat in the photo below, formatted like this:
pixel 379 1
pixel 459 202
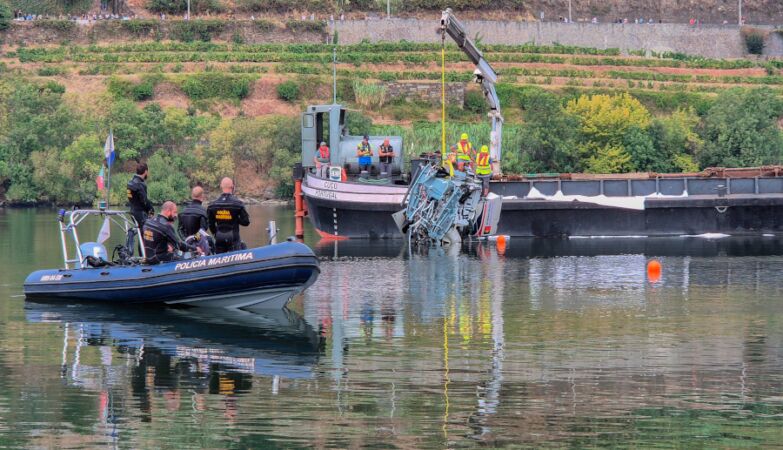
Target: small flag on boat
pixel 105 232
pixel 99 180
pixel 108 149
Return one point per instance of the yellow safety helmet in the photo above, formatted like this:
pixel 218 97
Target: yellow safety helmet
pixel 464 137
pixel 484 148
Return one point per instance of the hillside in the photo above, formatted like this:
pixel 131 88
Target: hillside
pixel 197 103
pixel 672 11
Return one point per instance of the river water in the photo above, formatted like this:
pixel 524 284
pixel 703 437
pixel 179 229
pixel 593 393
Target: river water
pixel 545 344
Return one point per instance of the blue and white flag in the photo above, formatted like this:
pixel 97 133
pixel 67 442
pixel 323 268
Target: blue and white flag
pixel 108 149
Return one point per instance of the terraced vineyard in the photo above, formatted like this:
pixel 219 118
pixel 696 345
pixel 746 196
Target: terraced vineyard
pixel 656 79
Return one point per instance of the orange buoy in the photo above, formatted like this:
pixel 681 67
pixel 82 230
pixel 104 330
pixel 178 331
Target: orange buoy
pixel 501 244
pixel 654 271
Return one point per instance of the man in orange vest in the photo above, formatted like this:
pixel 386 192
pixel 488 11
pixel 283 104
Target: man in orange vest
pixel 321 160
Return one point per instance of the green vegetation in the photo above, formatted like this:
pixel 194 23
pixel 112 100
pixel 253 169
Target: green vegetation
pixel 211 85
pixel 5 16
pixel 196 30
pixel 50 150
pixel 51 6
pixel 754 40
pixel 288 91
pixel 181 6
pixel 576 110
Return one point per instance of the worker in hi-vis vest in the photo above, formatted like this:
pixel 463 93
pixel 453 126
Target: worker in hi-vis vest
pixel 464 152
pixel 484 169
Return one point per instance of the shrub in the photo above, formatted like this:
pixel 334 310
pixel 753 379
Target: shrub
pixel 754 41
pixel 475 102
pixel 369 94
pixel 306 26
pixel 237 38
pixel 49 71
pixel 181 6
pixel 264 25
pixel 124 88
pixel 54 87
pixel 140 27
pixel 217 85
pixel 5 15
pixel 288 91
pixel 192 30
pixel 62 26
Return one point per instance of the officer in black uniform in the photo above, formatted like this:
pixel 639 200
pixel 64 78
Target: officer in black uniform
pixel 160 239
pixel 140 205
pixel 225 215
pixel 194 217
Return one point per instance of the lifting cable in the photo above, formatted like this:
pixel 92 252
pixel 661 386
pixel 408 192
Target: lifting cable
pixel 443 92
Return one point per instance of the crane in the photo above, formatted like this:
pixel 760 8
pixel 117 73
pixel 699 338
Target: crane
pixel 485 75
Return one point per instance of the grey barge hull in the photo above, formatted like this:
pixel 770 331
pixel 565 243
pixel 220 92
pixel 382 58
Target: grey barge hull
pixel 672 206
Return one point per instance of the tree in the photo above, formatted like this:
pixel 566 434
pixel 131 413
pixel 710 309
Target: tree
pixel 741 129
pixel 68 176
pixel 34 119
pixel 215 159
pixel 607 125
pixel 548 135
pixel 6 15
pixel 169 181
pixel 676 141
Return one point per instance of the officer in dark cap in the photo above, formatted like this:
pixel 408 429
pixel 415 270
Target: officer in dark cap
pixel 140 205
pixel 225 215
pixel 160 239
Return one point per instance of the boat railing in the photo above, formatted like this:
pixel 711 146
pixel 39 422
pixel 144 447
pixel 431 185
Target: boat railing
pixel 69 221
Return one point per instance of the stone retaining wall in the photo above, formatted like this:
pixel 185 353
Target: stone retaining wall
pixel 425 91
pixel 712 41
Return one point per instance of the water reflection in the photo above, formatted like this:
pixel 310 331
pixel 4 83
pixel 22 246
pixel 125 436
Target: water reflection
pixel 549 343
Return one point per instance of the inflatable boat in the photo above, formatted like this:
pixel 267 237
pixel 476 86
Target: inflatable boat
pixel 258 278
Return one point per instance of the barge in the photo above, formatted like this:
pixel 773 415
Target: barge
pixel 347 202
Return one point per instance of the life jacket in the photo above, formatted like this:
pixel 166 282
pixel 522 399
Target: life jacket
pixel 364 149
pixel 156 237
pixel 464 151
pixel 386 149
pixel 137 194
pixel 323 154
pixel 482 164
pixel 225 215
pixel 193 218
pixel 140 205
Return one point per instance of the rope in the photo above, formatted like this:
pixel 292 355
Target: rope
pixel 443 94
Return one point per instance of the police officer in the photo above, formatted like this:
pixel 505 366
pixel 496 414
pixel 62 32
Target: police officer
pixel 160 239
pixel 225 215
pixel 194 217
pixel 140 205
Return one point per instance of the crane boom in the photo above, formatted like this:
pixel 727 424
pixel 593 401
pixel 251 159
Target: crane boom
pixel 485 76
